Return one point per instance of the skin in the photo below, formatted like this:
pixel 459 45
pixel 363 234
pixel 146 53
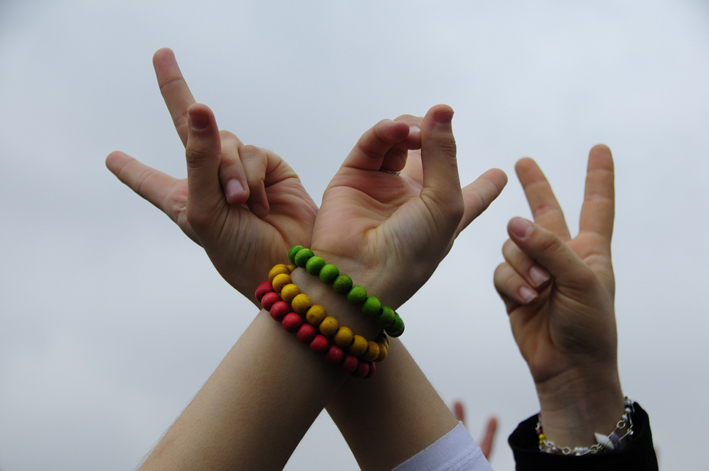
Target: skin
pixel 360 228
pixel 559 292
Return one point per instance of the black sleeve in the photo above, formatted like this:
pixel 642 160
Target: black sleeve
pixel 637 455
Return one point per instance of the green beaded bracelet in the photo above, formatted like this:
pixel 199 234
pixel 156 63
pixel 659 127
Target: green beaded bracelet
pixel 292 252
pixel 342 284
pixel 328 274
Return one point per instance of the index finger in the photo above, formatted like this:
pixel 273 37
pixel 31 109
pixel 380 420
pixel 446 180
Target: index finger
pixel 545 208
pixel 377 144
pixel 598 208
pixel 174 90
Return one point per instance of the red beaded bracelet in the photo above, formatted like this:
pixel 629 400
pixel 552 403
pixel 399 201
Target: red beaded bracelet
pixel 291 299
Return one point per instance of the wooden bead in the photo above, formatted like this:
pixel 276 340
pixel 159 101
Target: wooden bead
pixel 371 306
pixel 349 364
pixel 383 352
pixel 280 280
pixel 386 317
pixel 328 274
pixel 292 322
pixel 320 345
pixel 334 356
pixel 357 295
pixel 269 299
pixel 359 345
pixel 342 284
pixel 382 339
pixel 301 258
pixel 306 333
pixel 279 310
pixel 301 303
pixel 291 268
pixel 397 328
pixel 277 270
pixel 372 351
pixel 329 326
pixel 263 288
pixel 293 251
pixel 288 292
pixel 316 314
pixel 372 370
pixel 362 369
pixel 314 265
pixel 343 338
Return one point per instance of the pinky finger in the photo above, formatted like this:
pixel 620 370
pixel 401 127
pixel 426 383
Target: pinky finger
pixel 512 288
pixel 231 171
pixel 256 162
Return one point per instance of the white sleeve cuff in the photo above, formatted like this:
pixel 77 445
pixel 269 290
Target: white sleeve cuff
pixel 454 451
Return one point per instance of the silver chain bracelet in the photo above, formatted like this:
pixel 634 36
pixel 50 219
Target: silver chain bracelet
pixel 604 442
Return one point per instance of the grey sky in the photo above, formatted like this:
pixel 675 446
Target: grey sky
pixel 112 319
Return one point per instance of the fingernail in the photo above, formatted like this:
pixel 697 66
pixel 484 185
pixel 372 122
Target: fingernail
pixel 199 121
pixel 258 210
pixel 521 227
pixel 234 188
pixel 538 276
pixel 414 128
pixel 527 295
pixel 443 117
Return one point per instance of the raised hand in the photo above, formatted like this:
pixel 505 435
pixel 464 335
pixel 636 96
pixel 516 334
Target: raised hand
pixel 488 438
pixel 389 232
pixel 243 204
pixel 559 292
pixel 392 230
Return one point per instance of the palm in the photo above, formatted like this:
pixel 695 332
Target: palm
pixel 560 326
pixel 176 200
pixel 380 226
pixel 246 245
pixel 365 220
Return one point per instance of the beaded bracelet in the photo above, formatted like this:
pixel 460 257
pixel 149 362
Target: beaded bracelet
pixel 287 308
pixel 604 442
pixel 342 284
pixel 316 315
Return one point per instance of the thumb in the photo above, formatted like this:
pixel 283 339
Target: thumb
pixel 441 185
pixel 203 152
pixel 549 251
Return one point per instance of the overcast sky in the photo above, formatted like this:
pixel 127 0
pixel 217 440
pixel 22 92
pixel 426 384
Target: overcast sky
pixel 112 319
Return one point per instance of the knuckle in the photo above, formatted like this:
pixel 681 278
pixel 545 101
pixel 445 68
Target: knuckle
pixel 506 280
pixel 196 153
pixel 225 135
pixel 508 249
pixel 548 242
pixel 250 152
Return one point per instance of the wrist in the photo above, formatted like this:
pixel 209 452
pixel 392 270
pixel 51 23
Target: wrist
pixel 392 282
pixel 335 304
pixel 580 402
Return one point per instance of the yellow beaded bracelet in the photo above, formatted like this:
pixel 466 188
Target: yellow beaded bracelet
pixel 316 315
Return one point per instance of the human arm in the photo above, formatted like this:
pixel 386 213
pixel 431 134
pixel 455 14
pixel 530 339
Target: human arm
pixel 559 292
pixel 410 202
pixel 392 406
pixel 261 400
